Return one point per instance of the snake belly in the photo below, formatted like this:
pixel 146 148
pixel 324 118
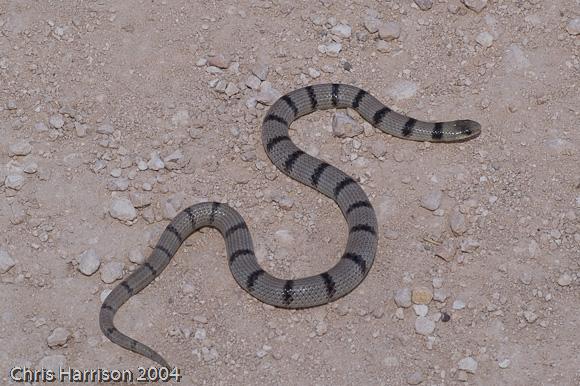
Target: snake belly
pixel 361 245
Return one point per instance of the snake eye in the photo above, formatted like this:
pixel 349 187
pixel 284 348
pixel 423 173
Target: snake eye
pixel 466 130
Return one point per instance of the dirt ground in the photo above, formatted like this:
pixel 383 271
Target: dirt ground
pixel 116 115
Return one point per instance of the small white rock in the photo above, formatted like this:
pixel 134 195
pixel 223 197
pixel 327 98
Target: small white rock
pixel 421 309
pixel 403 297
pixel 504 364
pixel 485 39
pixel 14 181
pixel 342 30
pixel 573 26
pixel 20 148
pixel 475 5
pixel 136 256
pixel 457 222
pixel 389 31
pixel 58 337
pixel 345 126
pixel 468 364
pixel 105 128
pixel 89 262
pixel 458 305
pixel 111 272
pixel 268 95
pixel 6 261
pixel 432 200
pixel 56 121
pixel 333 49
pixel 424 326
pixel 155 162
pixel 565 280
pixel 424 5
pixel 122 209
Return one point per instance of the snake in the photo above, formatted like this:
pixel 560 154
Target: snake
pixel 357 259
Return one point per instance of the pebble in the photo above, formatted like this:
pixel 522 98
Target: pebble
pixel 331 49
pixel 485 39
pixel 219 61
pixel 232 89
pixel 403 297
pixel 457 222
pixel 284 201
pixel 402 89
pixel 390 30
pixel 416 377
pixel 200 334
pixel 253 82
pixel 475 5
pixel 432 200
pixel 469 245
pixel 504 364
pixel 378 149
pixel 40 127
pixel 530 316
pixel 139 200
pixel 89 262
pixel 573 26
pixel 565 280
pixel 111 272
pixel 58 337
pixel 421 309
pixel 6 261
pixel 440 295
pixel 468 364
pixel 372 24
pixel 424 5
pixel 122 209
pixel 345 126
pixel 118 184
pixel 136 256
pixel 209 354
pixel 14 181
pixel 20 148
pixel 421 295
pixel 313 73
pixel 56 121
pixel 446 250
pixel 383 46
pixel 142 165
pixel 155 162
pixel 261 70
pixel 424 326
pixel 458 305
pixel 105 128
pixel 400 313
pixel 268 95
pixel 342 30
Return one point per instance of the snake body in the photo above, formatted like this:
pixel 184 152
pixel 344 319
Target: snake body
pixel 361 246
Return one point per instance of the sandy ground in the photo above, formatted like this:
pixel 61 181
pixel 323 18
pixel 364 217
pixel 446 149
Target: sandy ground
pixel 95 95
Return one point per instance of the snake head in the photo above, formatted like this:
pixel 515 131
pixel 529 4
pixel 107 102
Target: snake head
pixel 467 129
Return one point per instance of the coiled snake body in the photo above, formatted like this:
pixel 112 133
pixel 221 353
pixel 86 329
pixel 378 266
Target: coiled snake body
pixel 358 257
